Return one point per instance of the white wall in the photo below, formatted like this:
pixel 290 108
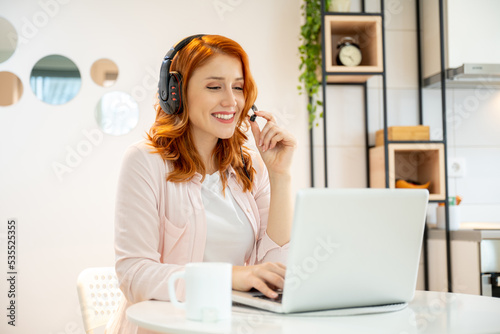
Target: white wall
pixel 65 226
pixel 474 123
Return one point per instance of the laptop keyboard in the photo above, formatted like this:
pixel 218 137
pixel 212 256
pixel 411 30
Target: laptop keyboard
pixel 276 300
pixel 331 312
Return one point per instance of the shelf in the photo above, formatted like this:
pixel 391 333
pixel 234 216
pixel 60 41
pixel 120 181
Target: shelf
pixel 352 14
pixel 420 162
pixel 340 78
pixel 367 29
pixel 348 77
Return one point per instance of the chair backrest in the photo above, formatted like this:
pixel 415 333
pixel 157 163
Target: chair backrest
pixel 99 296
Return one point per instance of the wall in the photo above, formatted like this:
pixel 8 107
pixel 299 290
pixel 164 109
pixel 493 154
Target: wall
pixel 65 222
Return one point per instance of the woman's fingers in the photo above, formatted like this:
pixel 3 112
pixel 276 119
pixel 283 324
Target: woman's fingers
pixel 277 268
pixel 271 134
pixel 267 285
pixel 269 276
pixel 267 115
pixel 274 274
pixel 264 288
pixel 275 144
pixel 265 277
pixel 261 136
pixel 275 140
pixel 267 134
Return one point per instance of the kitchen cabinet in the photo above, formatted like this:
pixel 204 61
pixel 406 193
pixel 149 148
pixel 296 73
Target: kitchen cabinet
pixel 470 38
pixel 475 261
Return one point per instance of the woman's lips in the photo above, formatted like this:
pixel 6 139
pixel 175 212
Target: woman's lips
pixel 224 117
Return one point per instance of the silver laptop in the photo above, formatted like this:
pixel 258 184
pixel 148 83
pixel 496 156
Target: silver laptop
pixel 351 250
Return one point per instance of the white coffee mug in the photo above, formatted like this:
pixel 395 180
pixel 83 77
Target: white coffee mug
pixel 208 291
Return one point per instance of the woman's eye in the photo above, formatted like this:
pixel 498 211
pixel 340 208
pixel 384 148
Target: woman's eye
pixel 238 88
pixel 213 87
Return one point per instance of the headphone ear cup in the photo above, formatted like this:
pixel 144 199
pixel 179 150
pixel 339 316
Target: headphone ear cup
pixel 174 102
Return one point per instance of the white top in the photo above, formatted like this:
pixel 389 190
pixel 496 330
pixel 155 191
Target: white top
pixel 160 226
pixel 230 237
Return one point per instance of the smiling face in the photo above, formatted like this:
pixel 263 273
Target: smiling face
pixel 215 99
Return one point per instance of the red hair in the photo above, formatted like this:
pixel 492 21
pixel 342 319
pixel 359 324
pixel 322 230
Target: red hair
pixel 170 135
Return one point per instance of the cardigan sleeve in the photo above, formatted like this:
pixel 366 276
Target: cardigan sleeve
pixel 138 265
pixel 267 249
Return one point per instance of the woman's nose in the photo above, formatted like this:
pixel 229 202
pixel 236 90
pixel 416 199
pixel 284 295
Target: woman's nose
pixel 229 99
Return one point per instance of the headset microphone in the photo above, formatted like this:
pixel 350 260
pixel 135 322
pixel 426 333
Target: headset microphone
pixel 254 116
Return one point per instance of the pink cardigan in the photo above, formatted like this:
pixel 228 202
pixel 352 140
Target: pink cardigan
pixel 160 226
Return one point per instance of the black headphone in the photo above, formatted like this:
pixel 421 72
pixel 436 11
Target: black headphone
pixel 170 83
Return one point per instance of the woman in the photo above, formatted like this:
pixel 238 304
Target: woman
pixel 192 192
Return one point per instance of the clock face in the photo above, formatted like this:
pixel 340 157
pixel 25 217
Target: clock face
pixel 350 55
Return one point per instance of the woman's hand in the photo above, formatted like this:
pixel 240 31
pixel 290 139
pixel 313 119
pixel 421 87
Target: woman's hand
pixel 275 144
pixel 264 277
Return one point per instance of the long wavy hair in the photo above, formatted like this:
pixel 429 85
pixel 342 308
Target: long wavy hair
pixel 170 135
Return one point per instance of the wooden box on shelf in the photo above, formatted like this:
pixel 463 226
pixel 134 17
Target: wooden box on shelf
pixel 367 30
pixel 417 132
pixel 420 162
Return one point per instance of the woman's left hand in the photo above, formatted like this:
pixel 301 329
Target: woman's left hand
pixel 275 144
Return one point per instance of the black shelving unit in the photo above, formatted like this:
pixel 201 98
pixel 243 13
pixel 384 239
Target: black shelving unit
pixel 387 142
pixel 325 74
pixel 444 133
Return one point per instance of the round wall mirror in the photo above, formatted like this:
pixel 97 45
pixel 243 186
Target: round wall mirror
pixel 55 79
pixel 8 39
pixel 12 88
pixel 117 113
pixel 104 72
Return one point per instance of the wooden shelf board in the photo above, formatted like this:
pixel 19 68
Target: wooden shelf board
pixel 347 78
pixel 355 69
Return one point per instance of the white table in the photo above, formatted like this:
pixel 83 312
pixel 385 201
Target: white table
pixel 429 312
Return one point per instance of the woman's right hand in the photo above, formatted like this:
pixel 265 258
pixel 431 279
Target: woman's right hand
pixel 265 277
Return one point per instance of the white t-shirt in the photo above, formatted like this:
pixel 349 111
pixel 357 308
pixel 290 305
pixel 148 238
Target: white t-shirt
pixel 230 237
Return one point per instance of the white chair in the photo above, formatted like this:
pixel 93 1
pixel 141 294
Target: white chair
pixel 99 296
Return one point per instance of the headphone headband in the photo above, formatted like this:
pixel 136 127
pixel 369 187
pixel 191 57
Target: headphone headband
pixel 173 50
pixel 170 94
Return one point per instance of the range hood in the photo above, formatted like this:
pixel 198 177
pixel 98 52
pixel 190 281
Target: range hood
pixel 467 76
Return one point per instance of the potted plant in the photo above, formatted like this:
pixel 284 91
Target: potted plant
pixel 310 55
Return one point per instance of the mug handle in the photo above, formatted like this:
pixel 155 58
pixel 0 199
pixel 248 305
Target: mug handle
pixel 171 289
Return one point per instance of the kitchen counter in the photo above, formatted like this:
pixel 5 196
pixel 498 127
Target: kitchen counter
pixel 475 256
pixel 465 235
